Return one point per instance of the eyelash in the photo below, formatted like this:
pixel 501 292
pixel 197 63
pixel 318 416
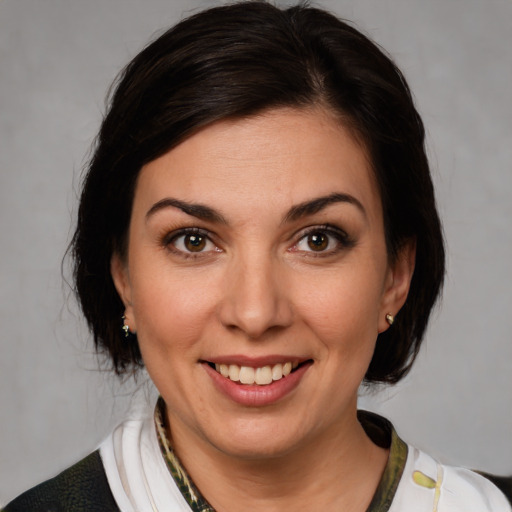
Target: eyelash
pixel 341 239
pixel 169 242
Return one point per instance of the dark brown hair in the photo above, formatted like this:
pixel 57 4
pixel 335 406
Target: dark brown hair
pixel 235 61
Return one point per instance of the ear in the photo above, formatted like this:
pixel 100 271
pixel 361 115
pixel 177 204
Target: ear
pixel 121 278
pixel 398 282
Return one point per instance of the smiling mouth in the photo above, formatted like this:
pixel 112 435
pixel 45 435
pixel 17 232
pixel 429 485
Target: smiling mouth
pixel 261 376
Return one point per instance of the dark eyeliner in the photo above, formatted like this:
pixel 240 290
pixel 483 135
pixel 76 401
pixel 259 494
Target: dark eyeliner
pixel 342 236
pixel 168 239
pixel 343 239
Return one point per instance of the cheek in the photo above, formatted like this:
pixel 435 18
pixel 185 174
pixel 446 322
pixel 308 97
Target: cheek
pixel 346 301
pixel 344 312
pixel 172 318
pixel 171 312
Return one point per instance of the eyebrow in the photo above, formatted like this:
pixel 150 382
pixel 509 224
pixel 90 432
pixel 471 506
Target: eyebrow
pixel 194 209
pixel 318 204
pixel 296 212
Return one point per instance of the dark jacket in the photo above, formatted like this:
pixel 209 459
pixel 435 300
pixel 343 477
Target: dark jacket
pixel 81 488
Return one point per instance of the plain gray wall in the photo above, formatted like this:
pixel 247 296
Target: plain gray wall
pixel 57 58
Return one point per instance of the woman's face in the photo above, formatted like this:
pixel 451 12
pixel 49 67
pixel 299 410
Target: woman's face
pixel 256 246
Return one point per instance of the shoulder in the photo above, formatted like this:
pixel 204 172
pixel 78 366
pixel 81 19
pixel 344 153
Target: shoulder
pixel 82 487
pixel 469 487
pixel 504 483
pixel 450 489
pixel 413 480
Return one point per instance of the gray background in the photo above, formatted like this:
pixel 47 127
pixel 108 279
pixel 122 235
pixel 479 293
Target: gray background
pixel 57 58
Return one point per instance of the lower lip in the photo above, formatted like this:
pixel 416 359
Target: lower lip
pixel 257 396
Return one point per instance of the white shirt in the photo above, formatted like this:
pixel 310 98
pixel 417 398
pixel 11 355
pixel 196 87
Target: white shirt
pixel 141 481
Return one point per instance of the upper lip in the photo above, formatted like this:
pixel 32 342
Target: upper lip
pixel 255 362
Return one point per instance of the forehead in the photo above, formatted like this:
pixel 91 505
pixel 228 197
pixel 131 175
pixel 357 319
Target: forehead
pixel 281 156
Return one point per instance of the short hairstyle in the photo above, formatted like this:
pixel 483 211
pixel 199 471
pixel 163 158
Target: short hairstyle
pixel 235 61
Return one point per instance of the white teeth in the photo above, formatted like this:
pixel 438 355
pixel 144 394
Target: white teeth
pixel 224 370
pixel 247 375
pixel 277 371
pixel 234 372
pixel 263 376
pixel 260 376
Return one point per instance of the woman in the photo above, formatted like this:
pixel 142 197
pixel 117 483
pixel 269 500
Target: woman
pixel 258 229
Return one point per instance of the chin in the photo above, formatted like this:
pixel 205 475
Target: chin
pixel 257 439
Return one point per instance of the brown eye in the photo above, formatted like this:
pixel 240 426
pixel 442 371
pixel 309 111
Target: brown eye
pixel 324 240
pixel 318 241
pixel 194 242
pixel 191 242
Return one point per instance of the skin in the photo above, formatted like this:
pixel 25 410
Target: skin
pixel 257 287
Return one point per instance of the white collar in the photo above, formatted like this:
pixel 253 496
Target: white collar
pixel 136 471
pixel 141 482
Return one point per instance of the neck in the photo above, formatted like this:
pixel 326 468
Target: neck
pixel 338 470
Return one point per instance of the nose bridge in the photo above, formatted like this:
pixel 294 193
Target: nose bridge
pixel 255 298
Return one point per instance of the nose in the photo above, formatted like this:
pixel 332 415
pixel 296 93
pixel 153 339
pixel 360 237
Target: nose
pixel 255 299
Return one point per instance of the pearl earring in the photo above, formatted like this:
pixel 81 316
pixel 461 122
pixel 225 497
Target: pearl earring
pixel 390 318
pixel 125 327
